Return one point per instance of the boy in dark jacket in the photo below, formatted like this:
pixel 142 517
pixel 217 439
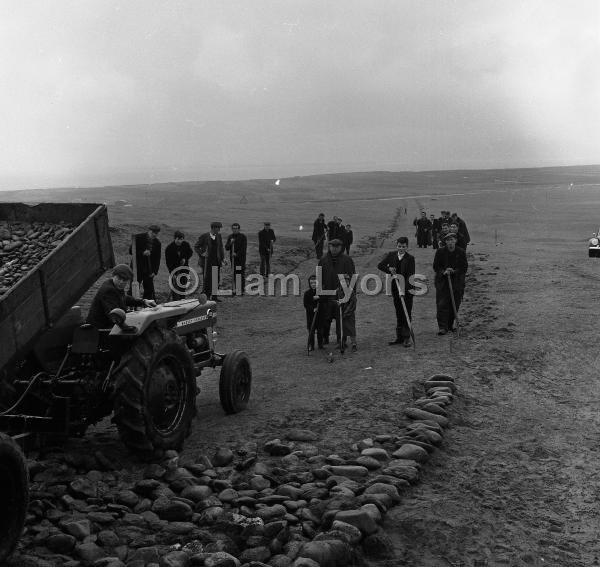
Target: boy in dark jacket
pixel 311 304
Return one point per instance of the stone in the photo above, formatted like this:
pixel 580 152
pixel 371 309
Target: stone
pixel 369 462
pixel 352 533
pixel 89 552
pixel 221 559
pixel 381 488
pixel 410 474
pixel 305 562
pixel 412 452
pixel 196 493
pixel 172 510
pixel 440 377
pixel 303 435
pixel 429 384
pixel 271 513
pixel 128 498
pixel 175 559
pixel 223 456
pixel 291 492
pixel 80 529
pixel 351 471
pixel 375 453
pixel 277 448
pixel 373 511
pixel 358 518
pixel 259 483
pixel 108 538
pixel 415 413
pixel 60 543
pixel 261 553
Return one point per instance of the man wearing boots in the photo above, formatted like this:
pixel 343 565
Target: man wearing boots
pixel 423 229
pixel 449 262
pixel 401 266
pixel 319 234
pixel 147 258
pixel 333 265
pixel 209 248
pixel 236 245
pixel 266 237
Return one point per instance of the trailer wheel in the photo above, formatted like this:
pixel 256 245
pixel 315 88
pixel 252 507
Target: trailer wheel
pixel 235 381
pixel 155 393
pixel 14 495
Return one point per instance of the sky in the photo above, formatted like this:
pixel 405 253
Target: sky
pixel 108 92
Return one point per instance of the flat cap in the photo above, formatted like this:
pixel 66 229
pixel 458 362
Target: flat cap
pixel 154 228
pixel 216 223
pixel 451 235
pixel 123 271
pixel 335 241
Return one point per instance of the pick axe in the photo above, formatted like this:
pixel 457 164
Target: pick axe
pixel 449 276
pixel 408 321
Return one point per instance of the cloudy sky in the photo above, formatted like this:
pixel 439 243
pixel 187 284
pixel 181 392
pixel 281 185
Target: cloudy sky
pixel 108 92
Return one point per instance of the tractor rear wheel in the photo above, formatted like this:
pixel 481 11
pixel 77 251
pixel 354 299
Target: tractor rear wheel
pixel 155 393
pixel 14 495
pixel 235 381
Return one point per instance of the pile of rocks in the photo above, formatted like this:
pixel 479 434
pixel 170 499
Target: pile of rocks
pixel 23 245
pixel 295 508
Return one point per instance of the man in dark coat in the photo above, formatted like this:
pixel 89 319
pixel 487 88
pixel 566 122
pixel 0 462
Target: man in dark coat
pixel 401 265
pixel 334 264
pixel 332 228
pixel 236 245
pixel 177 257
pixel 462 228
pixel 423 225
pixel 449 261
pixel 111 295
pixel 266 237
pixel 348 239
pixel 435 231
pixel 147 257
pixel 319 234
pixel 211 257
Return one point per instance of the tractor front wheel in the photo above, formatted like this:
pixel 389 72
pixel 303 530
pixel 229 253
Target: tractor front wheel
pixel 155 393
pixel 14 495
pixel 235 381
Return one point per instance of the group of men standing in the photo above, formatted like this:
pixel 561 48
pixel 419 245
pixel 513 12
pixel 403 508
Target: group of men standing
pixel 146 256
pixel 449 264
pixel 432 231
pixel 327 231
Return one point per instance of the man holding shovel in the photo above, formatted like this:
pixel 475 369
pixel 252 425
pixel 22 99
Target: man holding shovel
pixel 450 266
pixel 401 266
pixel 146 252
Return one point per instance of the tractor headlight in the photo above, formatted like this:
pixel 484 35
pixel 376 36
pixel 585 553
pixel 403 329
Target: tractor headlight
pixel 594 241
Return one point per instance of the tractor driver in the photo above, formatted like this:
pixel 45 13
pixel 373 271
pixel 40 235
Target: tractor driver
pixel 111 295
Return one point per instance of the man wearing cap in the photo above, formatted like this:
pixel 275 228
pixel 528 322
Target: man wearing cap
pixel 177 256
pixel 147 257
pixel 266 237
pixel 449 262
pixel 236 245
pixel 401 266
pixel 211 256
pixel 319 234
pixel 111 295
pixel 331 267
